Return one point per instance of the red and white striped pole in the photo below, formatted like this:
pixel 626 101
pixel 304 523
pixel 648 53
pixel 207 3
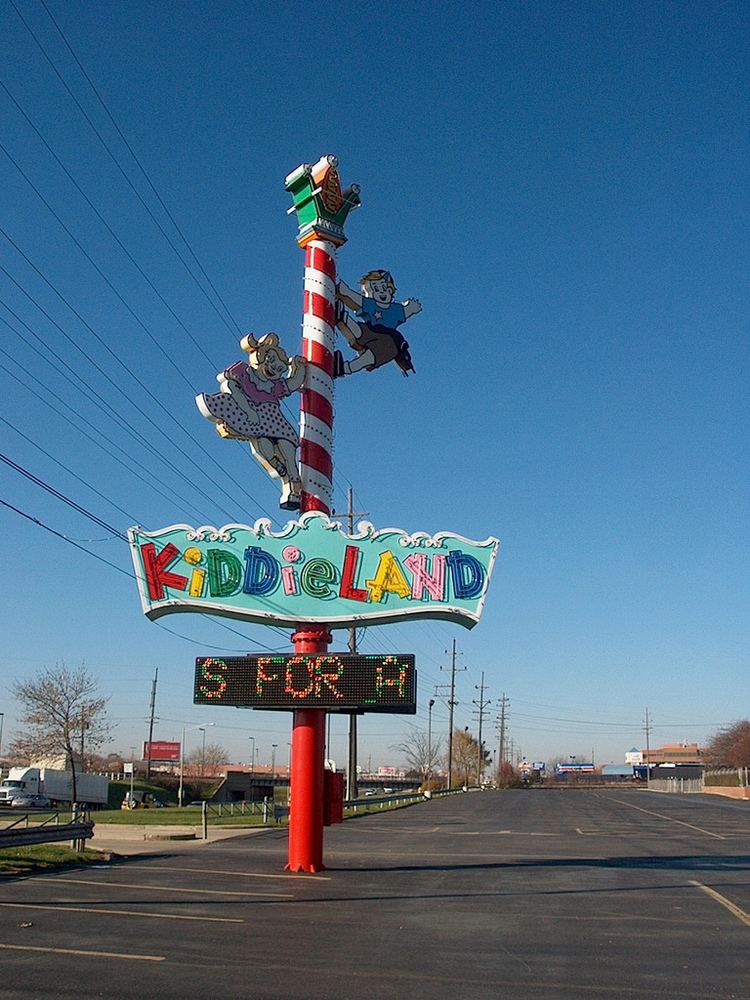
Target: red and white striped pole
pixel 318 343
pixel 316 469
pixel 321 210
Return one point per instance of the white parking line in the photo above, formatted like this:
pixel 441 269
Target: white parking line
pixel 670 819
pixel 121 913
pixel 219 871
pixel 727 903
pixel 85 953
pixel 161 888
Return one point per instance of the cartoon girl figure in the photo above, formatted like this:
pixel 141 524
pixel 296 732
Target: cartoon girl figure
pixel 247 407
pixel 373 332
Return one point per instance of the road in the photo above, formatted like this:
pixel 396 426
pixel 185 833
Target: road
pixel 524 894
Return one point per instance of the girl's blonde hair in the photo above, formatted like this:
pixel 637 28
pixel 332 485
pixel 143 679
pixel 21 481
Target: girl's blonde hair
pixel 258 349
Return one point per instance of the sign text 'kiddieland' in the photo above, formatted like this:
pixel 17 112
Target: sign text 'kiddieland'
pixel 312 571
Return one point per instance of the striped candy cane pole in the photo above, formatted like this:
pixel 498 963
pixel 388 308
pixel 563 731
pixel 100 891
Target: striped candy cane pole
pixel 318 333
pixel 321 209
pixel 316 469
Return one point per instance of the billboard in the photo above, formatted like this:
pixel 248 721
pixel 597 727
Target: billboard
pixel 161 750
pixel 337 682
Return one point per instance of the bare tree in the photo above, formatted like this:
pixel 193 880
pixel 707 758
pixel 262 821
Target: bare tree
pixel 420 755
pixel 63 715
pixel 730 747
pixel 208 761
pixel 467 759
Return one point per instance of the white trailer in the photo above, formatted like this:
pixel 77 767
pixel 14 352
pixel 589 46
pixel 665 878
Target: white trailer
pixel 91 789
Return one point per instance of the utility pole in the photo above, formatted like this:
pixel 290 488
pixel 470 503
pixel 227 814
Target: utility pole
pixel 83 731
pixel 501 749
pixel 428 769
pixel 481 705
pixel 648 748
pixel 151 724
pixel 351 769
pixel 451 705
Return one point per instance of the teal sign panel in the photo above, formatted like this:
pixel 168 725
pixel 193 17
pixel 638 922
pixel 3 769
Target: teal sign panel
pixel 312 571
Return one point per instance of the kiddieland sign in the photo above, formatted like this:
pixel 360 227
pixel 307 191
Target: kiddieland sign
pixel 312 571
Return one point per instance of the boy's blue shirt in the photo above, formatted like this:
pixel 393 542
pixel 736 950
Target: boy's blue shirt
pixel 374 314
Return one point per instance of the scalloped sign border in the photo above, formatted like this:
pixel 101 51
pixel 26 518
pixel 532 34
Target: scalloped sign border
pixel 312 571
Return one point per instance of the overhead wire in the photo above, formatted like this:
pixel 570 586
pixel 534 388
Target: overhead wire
pixel 107 562
pixel 229 318
pixel 115 356
pixel 70 541
pixel 231 323
pixel 62 496
pixel 111 154
pixel 140 166
pixel 115 451
pixel 196 343
pixel 116 238
pixel 89 390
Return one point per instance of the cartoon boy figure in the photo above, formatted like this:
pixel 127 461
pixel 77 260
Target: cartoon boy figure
pixel 373 331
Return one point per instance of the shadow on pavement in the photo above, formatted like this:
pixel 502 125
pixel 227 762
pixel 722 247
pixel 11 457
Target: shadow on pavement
pixel 675 862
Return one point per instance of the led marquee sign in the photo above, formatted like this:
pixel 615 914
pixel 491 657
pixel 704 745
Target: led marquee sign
pixel 337 682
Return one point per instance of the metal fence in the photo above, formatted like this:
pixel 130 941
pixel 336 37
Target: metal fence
pixel 678 786
pixel 732 777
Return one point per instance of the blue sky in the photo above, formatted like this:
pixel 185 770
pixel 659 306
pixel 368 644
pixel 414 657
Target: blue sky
pixel 564 187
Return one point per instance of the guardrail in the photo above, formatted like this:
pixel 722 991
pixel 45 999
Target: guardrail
pixel 49 831
pixel 366 802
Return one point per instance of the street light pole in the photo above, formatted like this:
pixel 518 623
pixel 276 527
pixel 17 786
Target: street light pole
pixel 252 762
pixel 182 769
pixel 182 758
pixel 203 753
pixel 2 720
pixel 273 759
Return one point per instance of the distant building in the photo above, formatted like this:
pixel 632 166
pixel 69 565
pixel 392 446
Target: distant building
pixel 617 771
pixel 673 753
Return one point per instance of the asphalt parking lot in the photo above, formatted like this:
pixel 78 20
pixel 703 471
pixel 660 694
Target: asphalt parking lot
pixel 522 894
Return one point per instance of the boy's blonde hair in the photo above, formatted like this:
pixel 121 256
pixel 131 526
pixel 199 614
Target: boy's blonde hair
pixel 379 275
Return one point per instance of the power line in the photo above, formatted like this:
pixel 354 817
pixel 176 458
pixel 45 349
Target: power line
pixel 112 156
pixel 115 451
pixel 232 325
pixel 140 166
pixel 60 496
pixel 70 541
pixel 107 226
pixel 154 398
pixel 89 390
